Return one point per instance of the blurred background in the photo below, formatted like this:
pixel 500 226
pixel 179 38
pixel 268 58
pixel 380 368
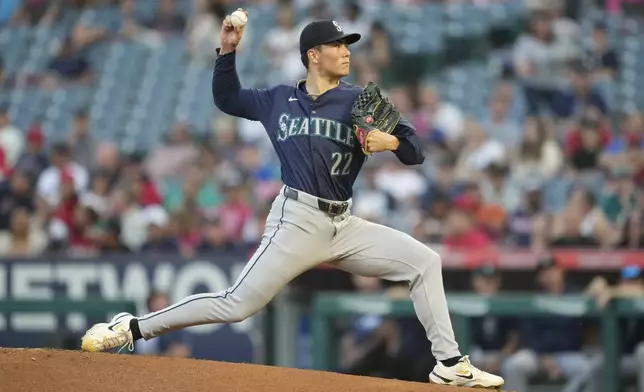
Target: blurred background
pixel 121 182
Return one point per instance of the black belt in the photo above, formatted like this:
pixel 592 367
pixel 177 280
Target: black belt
pixel 331 208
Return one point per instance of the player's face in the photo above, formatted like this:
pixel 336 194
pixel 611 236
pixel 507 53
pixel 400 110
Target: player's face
pixel 335 59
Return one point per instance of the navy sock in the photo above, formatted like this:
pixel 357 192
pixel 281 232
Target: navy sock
pixel 134 327
pixel 451 361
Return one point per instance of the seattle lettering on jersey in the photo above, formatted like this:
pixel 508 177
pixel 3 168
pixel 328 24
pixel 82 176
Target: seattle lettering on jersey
pixel 290 126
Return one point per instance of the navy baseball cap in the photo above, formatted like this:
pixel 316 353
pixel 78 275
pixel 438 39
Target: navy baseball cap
pixel 324 31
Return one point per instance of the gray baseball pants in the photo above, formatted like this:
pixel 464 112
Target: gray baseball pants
pixel 299 236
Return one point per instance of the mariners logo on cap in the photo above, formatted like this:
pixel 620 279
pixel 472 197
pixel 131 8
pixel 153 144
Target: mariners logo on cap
pixel 337 26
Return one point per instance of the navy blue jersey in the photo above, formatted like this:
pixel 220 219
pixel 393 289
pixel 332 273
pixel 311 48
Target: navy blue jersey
pixel 314 139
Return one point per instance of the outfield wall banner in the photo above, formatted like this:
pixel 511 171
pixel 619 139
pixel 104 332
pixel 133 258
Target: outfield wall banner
pixel 127 277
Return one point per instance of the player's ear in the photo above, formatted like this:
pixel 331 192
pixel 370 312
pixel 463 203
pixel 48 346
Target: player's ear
pixel 313 54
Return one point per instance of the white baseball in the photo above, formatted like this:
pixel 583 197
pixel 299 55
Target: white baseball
pixel 238 19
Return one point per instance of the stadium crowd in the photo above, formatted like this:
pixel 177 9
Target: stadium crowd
pixel 564 168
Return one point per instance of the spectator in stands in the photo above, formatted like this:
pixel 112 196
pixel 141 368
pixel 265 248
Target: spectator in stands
pixel 633 228
pixel 172 159
pixel 494 338
pixel 550 344
pixel 631 132
pixel 16 192
pixel 63 210
pixel 565 27
pixel 376 54
pixel 316 10
pixel 444 183
pixel 461 230
pixel 405 185
pixel 603 60
pixel 528 227
pixel 498 188
pixel 264 173
pixel 108 161
pixel 214 237
pixel 68 66
pixel 87 32
pixel 254 229
pixel 583 94
pixel 372 203
pixel 48 186
pixel 540 59
pixel 133 220
pixel 431 225
pixel 583 223
pixel 586 141
pixel 203 31
pixel 81 140
pixel 25 236
pixel 619 196
pixel 174 344
pixel 436 116
pixel 500 125
pixel 282 46
pixel 135 182
pixel 97 196
pixel 401 99
pixel 12 141
pixel 195 190
pixel 367 346
pixel 108 237
pixel 33 161
pixel 631 285
pixel 600 57
pixel 353 19
pixel 129 27
pixel 159 238
pixel 477 153
pixel 186 229
pixel 539 156
pixel 167 19
pixel 235 212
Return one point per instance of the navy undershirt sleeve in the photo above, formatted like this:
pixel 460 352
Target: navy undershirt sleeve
pixel 231 98
pixel 410 151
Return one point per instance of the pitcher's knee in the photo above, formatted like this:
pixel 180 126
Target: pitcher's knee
pixel 238 315
pixel 242 309
pixel 426 259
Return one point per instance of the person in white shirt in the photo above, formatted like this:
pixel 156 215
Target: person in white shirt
pixel 442 115
pixel 12 140
pixel 203 32
pixel 48 186
pixel 478 152
pixel 282 46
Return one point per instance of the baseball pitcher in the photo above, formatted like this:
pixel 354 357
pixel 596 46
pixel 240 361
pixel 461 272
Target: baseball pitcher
pixel 322 129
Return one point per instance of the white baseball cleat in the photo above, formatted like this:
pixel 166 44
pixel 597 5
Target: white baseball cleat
pixel 105 336
pixel 464 374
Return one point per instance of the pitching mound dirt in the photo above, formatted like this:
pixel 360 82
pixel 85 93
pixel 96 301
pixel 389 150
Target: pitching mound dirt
pixel 38 370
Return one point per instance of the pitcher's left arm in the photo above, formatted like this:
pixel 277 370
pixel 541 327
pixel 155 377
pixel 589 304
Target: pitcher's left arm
pixel 410 149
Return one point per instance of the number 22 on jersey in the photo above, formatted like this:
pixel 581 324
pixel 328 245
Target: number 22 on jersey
pixel 341 163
